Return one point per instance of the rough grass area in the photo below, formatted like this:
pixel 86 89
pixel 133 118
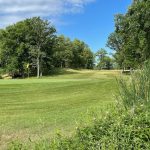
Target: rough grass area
pixel 36 108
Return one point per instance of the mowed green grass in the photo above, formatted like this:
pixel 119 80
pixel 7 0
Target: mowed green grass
pixel 36 108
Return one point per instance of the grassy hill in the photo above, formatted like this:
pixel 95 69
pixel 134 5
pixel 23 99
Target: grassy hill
pixel 38 107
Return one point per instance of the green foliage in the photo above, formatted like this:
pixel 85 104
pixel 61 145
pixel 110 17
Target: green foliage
pixel 137 90
pixel 33 41
pixel 11 50
pixel 104 61
pixel 41 39
pixel 72 54
pixel 29 41
pixel 83 57
pixel 115 130
pixel 2 71
pixel 63 54
pixel 131 37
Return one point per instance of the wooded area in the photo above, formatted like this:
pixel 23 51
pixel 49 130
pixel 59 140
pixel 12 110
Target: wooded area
pixel 33 47
pixel 131 38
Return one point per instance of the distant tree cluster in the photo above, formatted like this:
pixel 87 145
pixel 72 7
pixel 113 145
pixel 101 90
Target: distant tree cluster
pixel 32 46
pixel 131 38
pixel 72 54
pixel 104 60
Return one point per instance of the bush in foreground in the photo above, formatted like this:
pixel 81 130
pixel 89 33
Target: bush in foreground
pixel 126 127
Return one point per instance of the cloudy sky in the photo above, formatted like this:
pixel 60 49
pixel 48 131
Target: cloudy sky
pixel 88 20
pixel 12 11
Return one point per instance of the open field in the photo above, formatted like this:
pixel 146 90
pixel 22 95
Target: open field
pixel 38 107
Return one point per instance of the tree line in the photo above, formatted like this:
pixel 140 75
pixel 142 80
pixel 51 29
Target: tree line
pixel 32 46
pixel 131 38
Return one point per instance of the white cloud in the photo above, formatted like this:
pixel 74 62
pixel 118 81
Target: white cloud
pixel 12 11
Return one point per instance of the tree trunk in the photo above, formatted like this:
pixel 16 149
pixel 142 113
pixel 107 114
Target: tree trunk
pixel 41 74
pixel 38 67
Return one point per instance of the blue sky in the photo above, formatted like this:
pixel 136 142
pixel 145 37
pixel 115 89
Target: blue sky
pixel 89 20
pixel 94 24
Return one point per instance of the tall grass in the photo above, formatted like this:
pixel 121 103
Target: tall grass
pixel 136 90
pixel 125 127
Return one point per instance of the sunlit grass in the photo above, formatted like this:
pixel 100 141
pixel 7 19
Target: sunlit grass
pixel 38 107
